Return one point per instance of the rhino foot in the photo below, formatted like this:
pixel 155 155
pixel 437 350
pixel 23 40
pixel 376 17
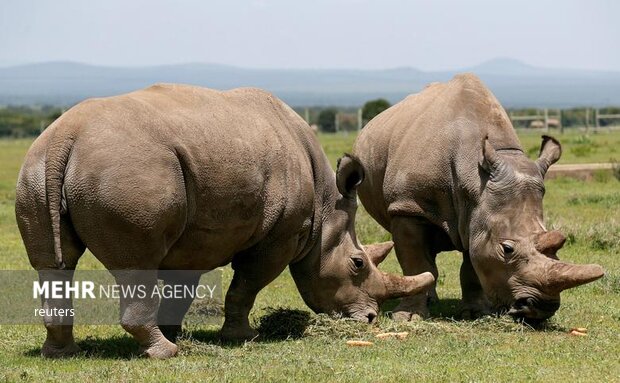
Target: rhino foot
pixel 407 316
pixel 236 334
pixel 474 311
pixel 163 349
pixel 171 332
pixel 50 351
pixel 411 309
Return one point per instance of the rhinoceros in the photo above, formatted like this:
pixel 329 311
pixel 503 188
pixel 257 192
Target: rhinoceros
pixel 176 177
pixel 445 171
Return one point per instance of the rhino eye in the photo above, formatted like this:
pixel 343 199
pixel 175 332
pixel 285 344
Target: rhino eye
pixel 358 262
pixel 508 249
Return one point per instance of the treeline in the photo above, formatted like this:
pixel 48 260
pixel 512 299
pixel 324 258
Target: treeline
pixel 28 121
pixel 25 121
pixel 334 119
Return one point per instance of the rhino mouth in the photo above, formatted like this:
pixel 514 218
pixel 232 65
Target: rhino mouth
pixel 363 315
pixel 533 311
pixel 368 316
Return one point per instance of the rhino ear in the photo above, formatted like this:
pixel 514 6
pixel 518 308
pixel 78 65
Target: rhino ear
pixel 492 163
pixel 550 152
pixel 490 159
pixel 349 175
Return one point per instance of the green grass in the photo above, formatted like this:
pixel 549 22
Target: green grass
pixel 301 346
pixel 577 147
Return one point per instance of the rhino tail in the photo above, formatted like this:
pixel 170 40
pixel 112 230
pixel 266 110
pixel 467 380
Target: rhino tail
pixel 56 158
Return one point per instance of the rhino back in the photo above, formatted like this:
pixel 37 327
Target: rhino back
pixel 422 154
pixel 212 172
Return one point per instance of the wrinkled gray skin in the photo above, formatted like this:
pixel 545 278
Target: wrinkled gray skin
pixel 185 178
pixel 445 171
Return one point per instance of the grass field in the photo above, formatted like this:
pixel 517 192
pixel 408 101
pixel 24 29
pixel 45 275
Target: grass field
pixel 300 346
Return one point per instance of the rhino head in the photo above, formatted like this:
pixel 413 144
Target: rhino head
pixel 341 278
pixel 513 254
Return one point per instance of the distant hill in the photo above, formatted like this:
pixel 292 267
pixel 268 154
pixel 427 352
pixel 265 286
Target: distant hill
pixel 516 84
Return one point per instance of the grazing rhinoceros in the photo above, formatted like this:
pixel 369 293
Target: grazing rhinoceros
pixel 445 171
pixel 179 177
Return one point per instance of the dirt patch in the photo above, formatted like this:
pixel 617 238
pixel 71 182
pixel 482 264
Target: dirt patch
pixel 585 172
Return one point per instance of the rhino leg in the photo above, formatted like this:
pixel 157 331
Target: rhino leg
pixel 415 256
pixel 254 270
pixel 139 314
pixel 432 296
pixel 172 311
pixel 36 229
pixel 59 342
pixel 475 303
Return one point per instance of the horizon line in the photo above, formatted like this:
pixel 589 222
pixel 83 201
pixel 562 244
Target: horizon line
pixel 233 66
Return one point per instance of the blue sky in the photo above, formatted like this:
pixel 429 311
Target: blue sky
pixel 430 35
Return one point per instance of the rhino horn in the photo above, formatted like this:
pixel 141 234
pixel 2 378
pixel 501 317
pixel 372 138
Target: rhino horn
pixel 397 286
pixel 378 251
pixel 550 242
pixel 563 275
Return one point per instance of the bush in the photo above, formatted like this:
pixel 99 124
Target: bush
pixel 327 120
pixel 373 108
